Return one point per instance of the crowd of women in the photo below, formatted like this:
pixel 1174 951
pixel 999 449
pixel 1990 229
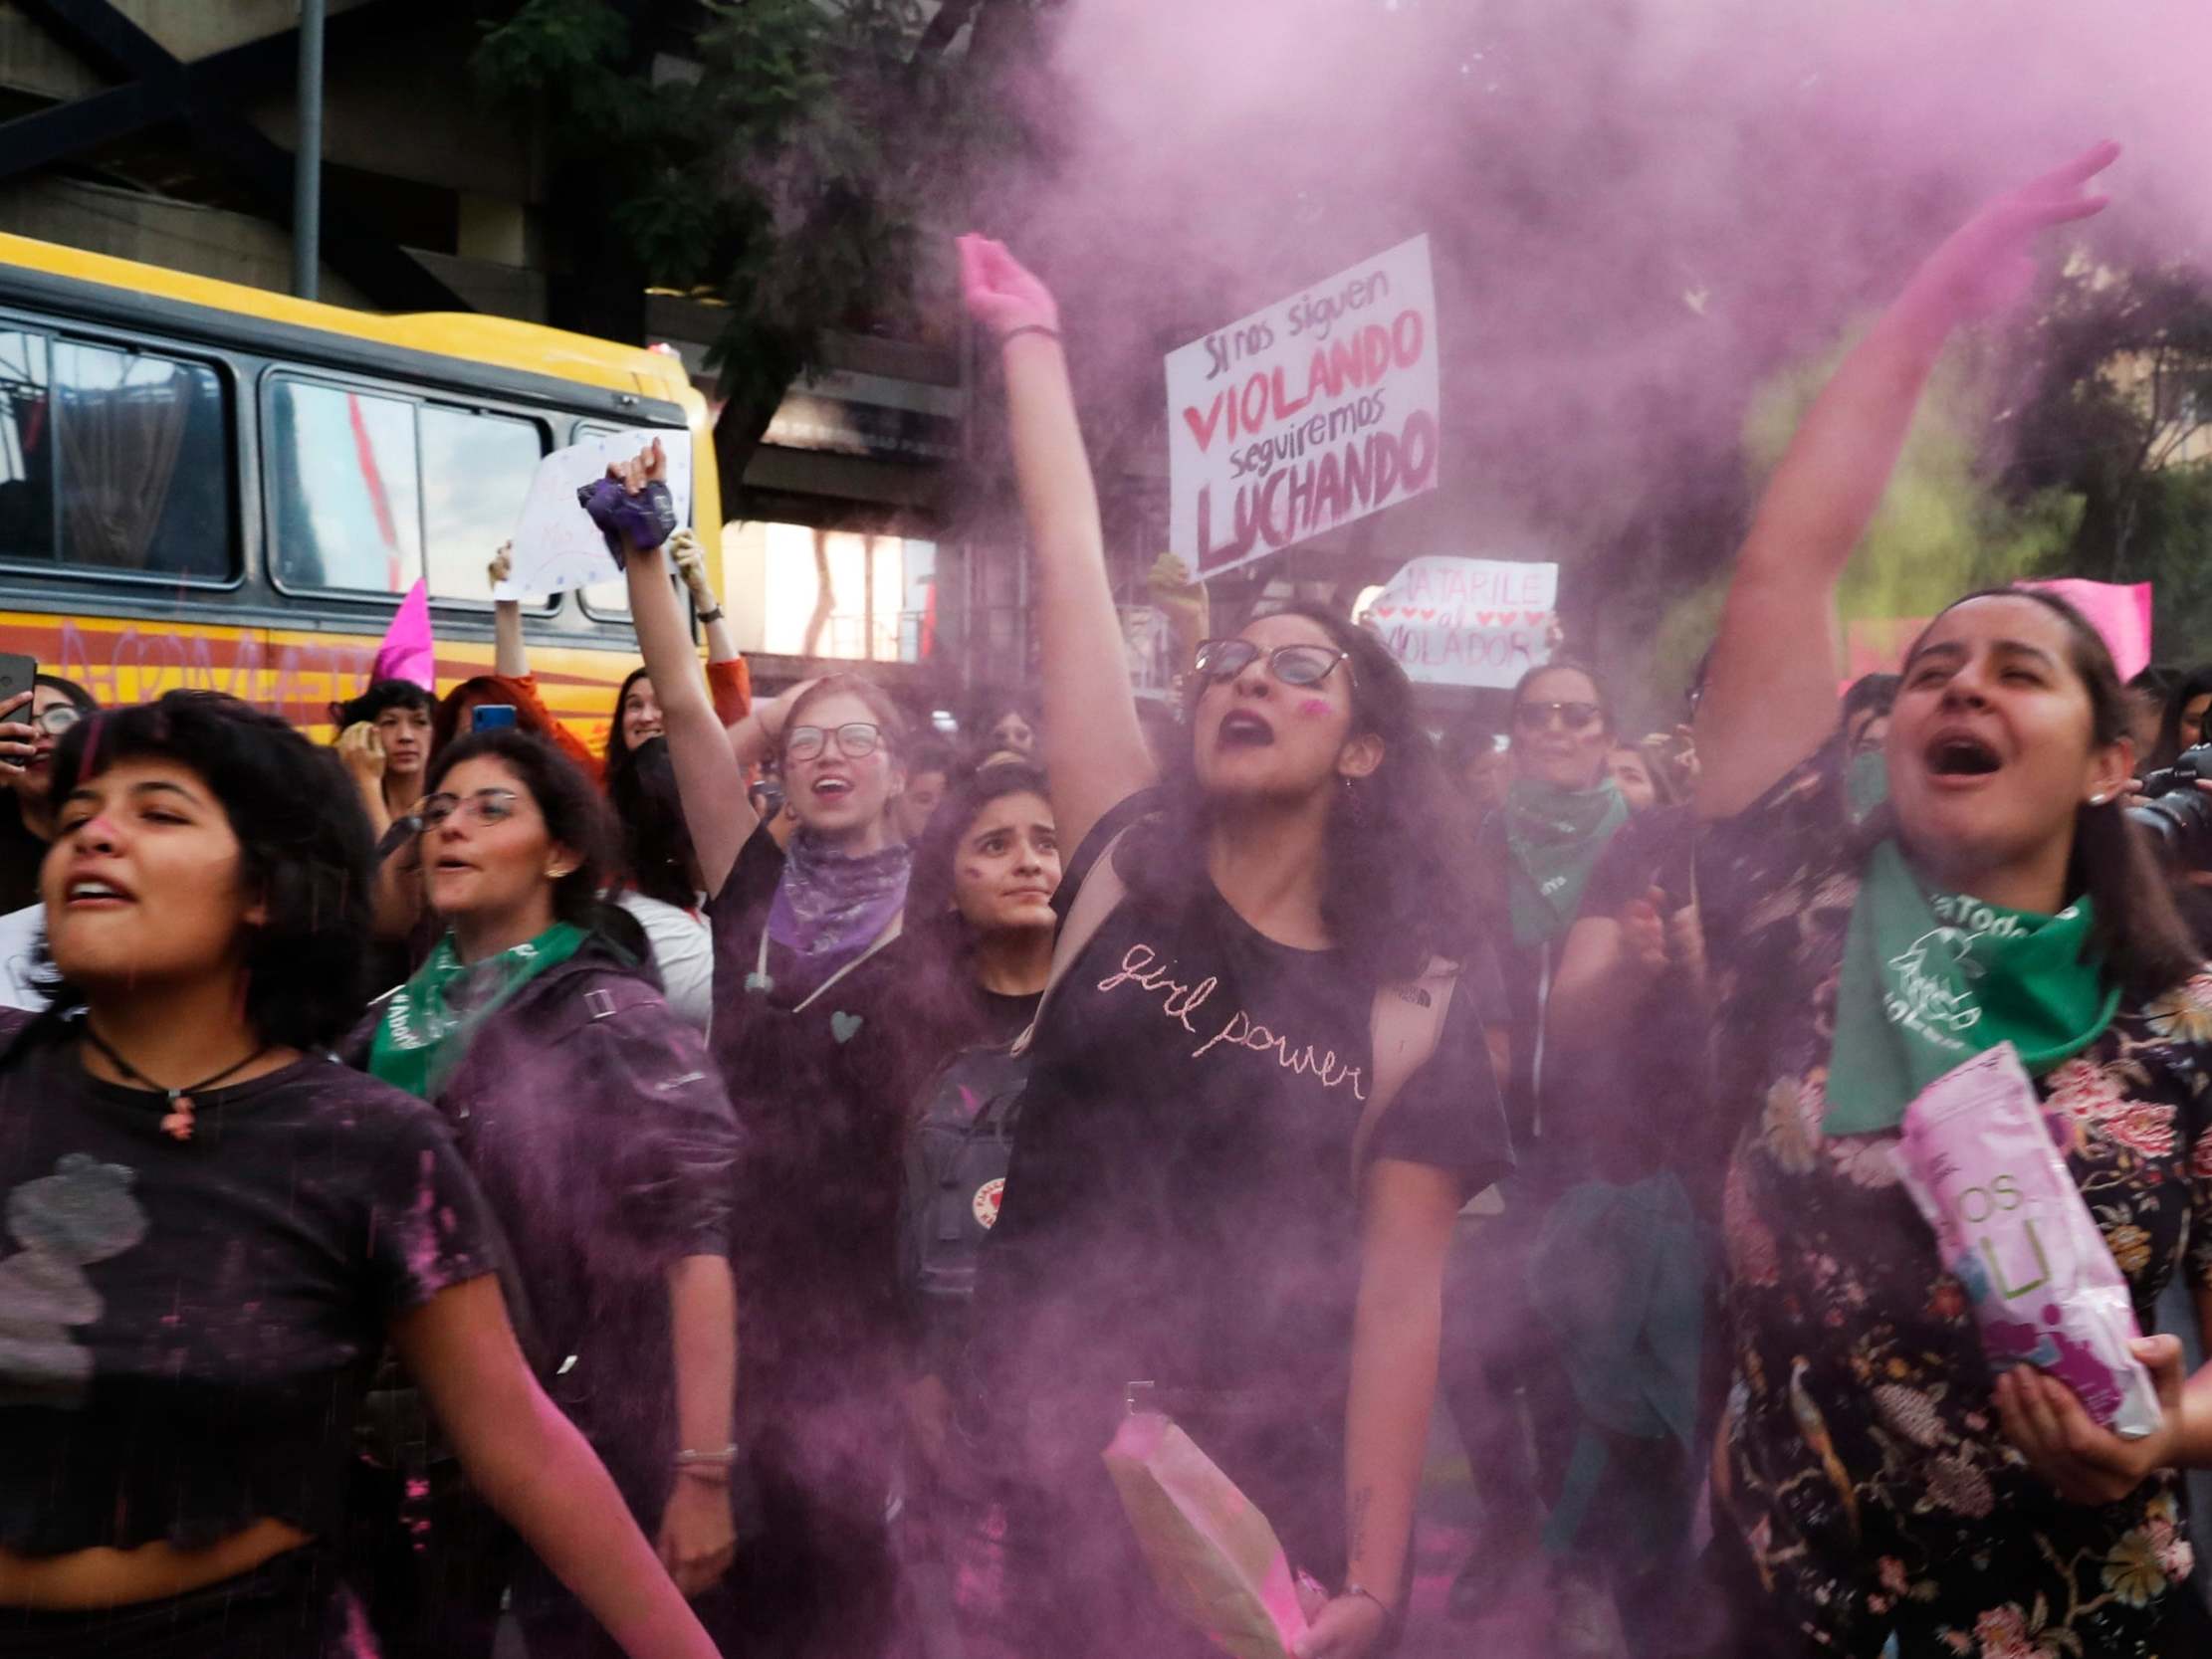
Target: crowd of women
pixel 591 1277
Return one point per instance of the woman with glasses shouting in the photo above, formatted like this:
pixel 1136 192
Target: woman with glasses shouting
pixel 587 1110
pixel 806 1035
pixel 1209 1210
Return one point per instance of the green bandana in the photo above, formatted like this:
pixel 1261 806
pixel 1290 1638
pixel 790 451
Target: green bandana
pixel 429 1021
pixel 1931 981
pixel 1555 836
pixel 1866 784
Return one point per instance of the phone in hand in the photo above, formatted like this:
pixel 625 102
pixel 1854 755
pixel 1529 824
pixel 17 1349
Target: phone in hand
pixel 491 716
pixel 17 675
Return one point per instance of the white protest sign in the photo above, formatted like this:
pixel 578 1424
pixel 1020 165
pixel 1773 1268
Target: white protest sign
pixel 556 545
pixel 1468 621
pixel 1319 410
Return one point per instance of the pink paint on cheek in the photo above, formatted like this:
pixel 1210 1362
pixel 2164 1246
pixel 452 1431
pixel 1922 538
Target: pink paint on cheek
pixel 1314 707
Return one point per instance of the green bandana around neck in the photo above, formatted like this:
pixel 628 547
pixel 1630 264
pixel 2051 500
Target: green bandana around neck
pixel 1931 981
pixel 1555 836
pixel 431 1019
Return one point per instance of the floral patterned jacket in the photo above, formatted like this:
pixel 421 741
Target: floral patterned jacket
pixel 1862 1457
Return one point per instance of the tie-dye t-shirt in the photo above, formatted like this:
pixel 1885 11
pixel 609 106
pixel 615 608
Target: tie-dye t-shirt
pixel 186 1326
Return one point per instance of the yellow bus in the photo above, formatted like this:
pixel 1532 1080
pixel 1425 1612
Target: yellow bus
pixel 210 486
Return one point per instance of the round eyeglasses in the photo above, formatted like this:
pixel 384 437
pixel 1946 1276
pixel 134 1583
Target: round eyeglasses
pixel 59 718
pixel 1293 665
pixel 856 740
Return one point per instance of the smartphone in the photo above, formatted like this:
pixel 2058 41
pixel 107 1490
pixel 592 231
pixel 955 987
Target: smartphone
pixel 16 675
pixel 491 717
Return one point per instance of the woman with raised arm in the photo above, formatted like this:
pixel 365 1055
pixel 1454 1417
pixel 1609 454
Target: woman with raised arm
pixel 383 737
pixel 1203 1198
pixel 1884 1480
pixel 215 1228
pixel 806 975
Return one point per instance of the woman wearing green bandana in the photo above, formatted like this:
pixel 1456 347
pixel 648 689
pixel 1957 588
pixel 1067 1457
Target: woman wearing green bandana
pixel 1533 858
pixel 1884 1482
pixel 592 1116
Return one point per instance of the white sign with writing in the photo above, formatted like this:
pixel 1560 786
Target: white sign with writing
pixel 556 545
pixel 1468 621
pixel 1314 412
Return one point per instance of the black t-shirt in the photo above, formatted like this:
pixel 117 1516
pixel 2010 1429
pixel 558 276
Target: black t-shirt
pixel 821 1093
pixel 1179 1207
pixel 186 1326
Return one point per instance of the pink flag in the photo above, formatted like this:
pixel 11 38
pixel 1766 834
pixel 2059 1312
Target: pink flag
pixel 2120 611
pixel 407 652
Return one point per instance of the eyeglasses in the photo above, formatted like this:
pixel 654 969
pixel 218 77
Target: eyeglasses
pixel 57 719
pixel 856 740
pixel 1293 665
pixel 486 806
pixel 1575 717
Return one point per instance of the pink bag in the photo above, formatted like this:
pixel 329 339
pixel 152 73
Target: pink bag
pixel 2014 1229
pixel 1213 1555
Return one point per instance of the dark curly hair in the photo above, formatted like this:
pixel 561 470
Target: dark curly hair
pixel 576 816
pixel 929 889
pixel 384 693
pixel 1393 894
pixel 304 848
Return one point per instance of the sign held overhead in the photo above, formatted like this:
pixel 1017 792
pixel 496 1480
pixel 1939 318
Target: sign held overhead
pixel 1312 413
pixel 1468 621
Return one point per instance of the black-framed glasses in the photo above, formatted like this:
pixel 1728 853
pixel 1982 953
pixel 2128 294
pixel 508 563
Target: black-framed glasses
pixel 482 806
pixel 59 718
pixel 1293 665
pixel 1575 717
pixel 856 740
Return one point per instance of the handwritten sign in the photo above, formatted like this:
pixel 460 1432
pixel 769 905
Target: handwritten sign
pixel 1314 412
pixel 1468 621
pixel 556 545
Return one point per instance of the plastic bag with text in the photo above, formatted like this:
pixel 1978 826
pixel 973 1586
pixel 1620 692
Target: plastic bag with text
pixel 2014 1229
pixel 1213 1555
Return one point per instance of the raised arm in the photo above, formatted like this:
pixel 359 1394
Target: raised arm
pixel 708 775
pixel 1090 714
pixel 1770 692
pixel 509 652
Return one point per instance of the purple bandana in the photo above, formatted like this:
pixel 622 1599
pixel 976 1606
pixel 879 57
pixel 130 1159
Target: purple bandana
pixel 830 906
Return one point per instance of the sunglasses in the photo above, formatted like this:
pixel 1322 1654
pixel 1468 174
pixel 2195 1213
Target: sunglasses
pixel 1575 717
pixel 1293 665
pixel 856 740
pixel 486 806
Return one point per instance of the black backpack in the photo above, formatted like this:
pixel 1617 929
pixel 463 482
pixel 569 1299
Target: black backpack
pixel 957 1148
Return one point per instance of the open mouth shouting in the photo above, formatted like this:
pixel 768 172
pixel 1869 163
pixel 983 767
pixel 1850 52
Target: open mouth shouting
pixel 1241 729
pixel 831 788
pixel 1959 758
pixel 95 893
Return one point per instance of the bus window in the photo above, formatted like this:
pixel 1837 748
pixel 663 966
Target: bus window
pixel 345 505
pixel 135 447
pixel 476 471
pixel 145 463
pixel 26 450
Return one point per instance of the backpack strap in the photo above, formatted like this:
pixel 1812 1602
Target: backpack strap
pixel 1099 897
pixel 1406 1026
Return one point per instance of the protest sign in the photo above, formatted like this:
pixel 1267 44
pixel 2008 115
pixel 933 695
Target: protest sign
pixel 1314 412
pixel 1468 621
pixel 556 545
pixel 2120 611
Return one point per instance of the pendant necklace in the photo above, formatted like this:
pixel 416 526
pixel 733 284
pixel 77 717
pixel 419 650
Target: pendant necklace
pixel 176 1123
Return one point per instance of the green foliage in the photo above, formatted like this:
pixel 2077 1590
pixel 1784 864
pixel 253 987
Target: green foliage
pixel 796 178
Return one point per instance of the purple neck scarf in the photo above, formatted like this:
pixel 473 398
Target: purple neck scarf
pixel 831 905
